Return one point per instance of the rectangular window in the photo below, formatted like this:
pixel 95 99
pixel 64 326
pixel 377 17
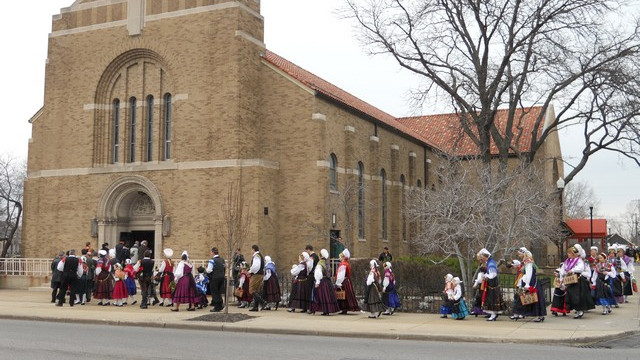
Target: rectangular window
pixel 116 130
pixel 167 126
pixel 132 136
pixel 149 128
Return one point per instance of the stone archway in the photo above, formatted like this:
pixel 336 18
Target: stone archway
pixel 131 203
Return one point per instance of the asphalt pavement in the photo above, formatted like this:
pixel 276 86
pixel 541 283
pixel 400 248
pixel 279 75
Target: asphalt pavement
pixel 591 329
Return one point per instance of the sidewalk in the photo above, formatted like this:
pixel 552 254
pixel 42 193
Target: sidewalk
pixel 21 304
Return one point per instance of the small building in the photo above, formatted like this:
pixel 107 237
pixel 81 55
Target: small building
pixel 582 233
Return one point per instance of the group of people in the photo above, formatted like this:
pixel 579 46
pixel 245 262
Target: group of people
pixel 313 288
pixel 581 283
pixel 488 299
pixel 603 279
pixel 111 277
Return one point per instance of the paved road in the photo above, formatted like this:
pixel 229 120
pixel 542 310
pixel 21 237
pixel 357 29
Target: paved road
pixel 22 340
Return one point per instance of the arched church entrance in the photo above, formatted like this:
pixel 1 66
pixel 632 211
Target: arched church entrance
pixel 131 209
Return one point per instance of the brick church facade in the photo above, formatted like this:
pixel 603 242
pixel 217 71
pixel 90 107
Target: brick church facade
pixel 153 109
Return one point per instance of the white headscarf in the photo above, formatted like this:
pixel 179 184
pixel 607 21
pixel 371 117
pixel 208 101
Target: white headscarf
pixel 449 277
pixel 346 253
pixel 484 251
pixel 373 263
pixel 324 253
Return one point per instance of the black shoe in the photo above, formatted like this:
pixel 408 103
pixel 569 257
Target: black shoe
pixel 58 304
pixel 266 308
pixel 540 319
pixel 191 309
pixel 214 310
pixel 255 308
pixel 53 301
pixel 155 302
pixel 134 302
pixel 143 307
pixel 291 310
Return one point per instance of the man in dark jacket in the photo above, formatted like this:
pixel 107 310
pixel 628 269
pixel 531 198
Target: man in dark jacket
pixel 145 266
pixel 71 268
pixel 215 269
pixel 56 276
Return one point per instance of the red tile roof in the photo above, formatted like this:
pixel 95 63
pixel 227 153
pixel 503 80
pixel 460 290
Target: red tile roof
pixel 335 93
pixel 442 132
pixel 582 227
pixel 446 133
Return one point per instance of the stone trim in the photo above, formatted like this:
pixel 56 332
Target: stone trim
pixel 374 138
pixel 155 166
pixel 395 147
pixel 248 37
pixel 349 128
pixel 412 154
pixel 289 77
pixel 319 117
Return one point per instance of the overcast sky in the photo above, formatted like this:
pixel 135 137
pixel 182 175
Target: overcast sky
pixel 306 32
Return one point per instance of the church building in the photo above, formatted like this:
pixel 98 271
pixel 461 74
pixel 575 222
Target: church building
pixel 155 109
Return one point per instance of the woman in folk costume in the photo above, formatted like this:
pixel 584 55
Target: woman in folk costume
pixel 243 284
pixel 458 308
pixel 103 279
pixel 619 266
pixel 447 292
pixel 578 295
pixel 300 292
pixel 517 305
pixel 271 286
pixel 324 298
pixel 119 293
pixel 492 302
pixel 478 291
pixel 185 292
pixel 166 277
pixel 81 284
pixel 627 289
pixel 389 294
pixel 343 283
pixel 129 281
pixel 528 283
pixel 372 302
pixel 601 284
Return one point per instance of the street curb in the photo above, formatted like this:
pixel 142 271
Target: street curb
pixel 243 328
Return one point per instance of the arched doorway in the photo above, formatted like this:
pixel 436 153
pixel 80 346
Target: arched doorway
pixel 131 208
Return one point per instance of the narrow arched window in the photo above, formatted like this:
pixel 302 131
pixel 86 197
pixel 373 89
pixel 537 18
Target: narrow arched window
pixel 167 126
pixel 403 205
pixel 116 130
pixel 149 129
pixel 383 186
pixel 419 184
pixel 133 104
pixel 360 200
pixel 333 178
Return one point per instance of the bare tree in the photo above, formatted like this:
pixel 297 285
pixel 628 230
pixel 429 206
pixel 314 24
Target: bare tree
pixel 12 175
pixel 500 213
pixel 481 56
pixel 578 197
pixel 627 226
pixel 233 229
